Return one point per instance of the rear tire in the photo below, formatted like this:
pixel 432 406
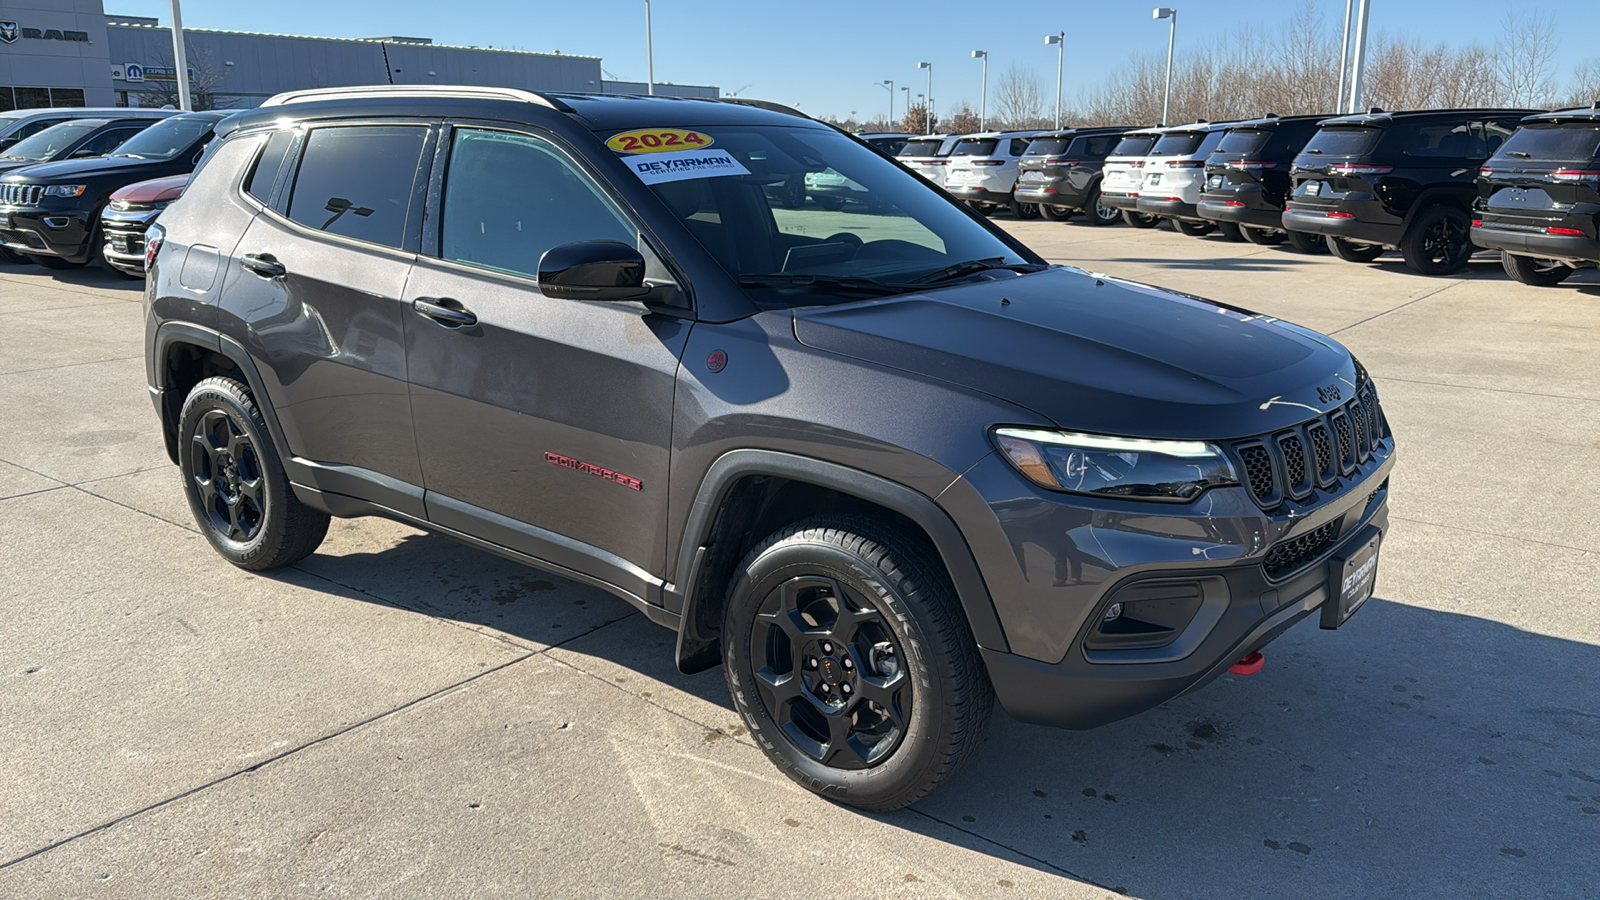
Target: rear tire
pixel 1537 272
pixel 1305 242
pixel 1139 219
pixel 1096 212
pixel 1024 210
pixel 237 489
pixel 871 708
pixel 1352 252
pixel 1262 237
pixel 1439 241
pixel 1229 231
pixel 1055 213
pixel 1193 229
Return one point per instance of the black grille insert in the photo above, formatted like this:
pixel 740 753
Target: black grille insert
pixel 1322 446
pixel 1295 553
pixel 1294 460
pixel 1297 461
pixel 1258 472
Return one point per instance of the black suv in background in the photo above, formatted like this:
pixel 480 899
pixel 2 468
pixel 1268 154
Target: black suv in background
pixel 578 332
pixel 74 139
pixel 1247 179
pixel 1401 180
pixel 1060 171
pixel 1539 197
pixel 50 212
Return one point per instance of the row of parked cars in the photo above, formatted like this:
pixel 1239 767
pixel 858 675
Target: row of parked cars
pixel 79 186
pixel 1436 185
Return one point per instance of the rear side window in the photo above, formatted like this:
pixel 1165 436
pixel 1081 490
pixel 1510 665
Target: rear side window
pixel 922 148
pixel 107 141
pixel 1570 142
pixel 510 197
pixel 1094 147
pixel 1244 140
pixel 1445 140
pixel 1178 143
pixel 1342 141
pixel 260 184
pixel 357 181
pixel 975 147
pixel 1134 145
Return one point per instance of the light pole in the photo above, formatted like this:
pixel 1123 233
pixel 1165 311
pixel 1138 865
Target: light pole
pixel 1359 55
pixel 1167 12
pixel 180 58
pixel 890 85
pixel 1344 56
pixel 649 52
pixel 927 111
pixel 1060 40
pixel 983 94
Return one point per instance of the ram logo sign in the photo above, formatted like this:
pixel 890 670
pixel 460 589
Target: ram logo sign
pixel 9 32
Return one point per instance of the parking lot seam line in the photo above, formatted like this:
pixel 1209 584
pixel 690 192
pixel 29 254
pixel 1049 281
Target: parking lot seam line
pixel 123 475
pixel 32 493
pixel 1586 551
pixel 1043 863
pixel 33 472
pixel 133 508
pixel 459 685
pixel 86 362
pixel 1475 387
pixel 1379 315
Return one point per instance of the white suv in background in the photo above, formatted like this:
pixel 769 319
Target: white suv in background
pixel 1175 174
pixel 983 171
pixel 928 155
pixel 1119 176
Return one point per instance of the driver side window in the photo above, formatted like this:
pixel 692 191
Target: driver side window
pixel 510 197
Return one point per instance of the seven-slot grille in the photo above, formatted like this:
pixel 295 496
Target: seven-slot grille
pixel 21 194
pixel 1292 463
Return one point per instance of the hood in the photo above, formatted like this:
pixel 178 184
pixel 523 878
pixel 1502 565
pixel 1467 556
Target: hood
pixel 153 191
pixel 93 167
pixel 1099 355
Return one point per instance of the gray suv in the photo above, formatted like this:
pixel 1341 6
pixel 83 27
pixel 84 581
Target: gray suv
pixel 883 464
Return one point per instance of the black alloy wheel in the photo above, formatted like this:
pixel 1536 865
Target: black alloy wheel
pixel 1439 241
pixel 236 486
pixel 1350 251
pixel 1264 237
pixel 848 657
pixel 1536 272
pixel 1306 242
pixel 1139 219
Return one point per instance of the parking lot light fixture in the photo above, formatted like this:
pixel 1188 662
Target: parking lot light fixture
pixel 927 110
pixel 1060 40
pixel 983 93
pixel 890 85
pixel 1167 12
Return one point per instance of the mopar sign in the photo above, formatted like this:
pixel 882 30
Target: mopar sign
pixel 131 72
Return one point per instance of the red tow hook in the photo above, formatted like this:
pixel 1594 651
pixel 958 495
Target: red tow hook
pixel 1249 665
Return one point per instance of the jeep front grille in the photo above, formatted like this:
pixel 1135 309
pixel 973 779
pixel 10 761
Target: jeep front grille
pixel 21 194
pixel 1295 553
pixel 1295 462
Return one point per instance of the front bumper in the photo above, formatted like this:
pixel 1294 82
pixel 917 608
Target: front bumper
pixel 124 239
pixel 47 232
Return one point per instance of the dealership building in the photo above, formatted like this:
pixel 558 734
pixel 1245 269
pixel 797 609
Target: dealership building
pixel 71 53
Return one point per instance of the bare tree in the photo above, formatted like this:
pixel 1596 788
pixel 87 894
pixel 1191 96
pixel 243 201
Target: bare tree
pixel 1019 100
pixel 1524 56
pixel 204 79
pixel 1585 87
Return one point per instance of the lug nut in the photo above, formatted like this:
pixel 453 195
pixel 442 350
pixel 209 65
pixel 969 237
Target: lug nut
pixel 811 662
pixel 823 687
pixel 827 647
pixel 845 688
pixel 848 664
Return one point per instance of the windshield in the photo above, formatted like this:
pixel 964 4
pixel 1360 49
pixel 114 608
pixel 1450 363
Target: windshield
pixel 166 138
pixel 777 205
pixel 975 147
pixel 929 147
pixel 1178 143
pixel 53 140
pixel 1243 141
pixel 1570 141
pixel 1341 141
pixel 1049 145
pixel 1134 145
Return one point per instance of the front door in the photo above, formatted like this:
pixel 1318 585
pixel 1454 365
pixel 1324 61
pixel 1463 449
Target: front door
pixel 543 424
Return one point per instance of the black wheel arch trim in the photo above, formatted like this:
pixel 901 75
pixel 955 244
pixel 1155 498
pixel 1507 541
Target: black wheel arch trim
pixel 698 646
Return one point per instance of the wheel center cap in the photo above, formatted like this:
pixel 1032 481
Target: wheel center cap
pixel 831 671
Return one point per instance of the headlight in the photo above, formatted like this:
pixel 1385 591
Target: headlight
pixel 65 190
pixel 1128 468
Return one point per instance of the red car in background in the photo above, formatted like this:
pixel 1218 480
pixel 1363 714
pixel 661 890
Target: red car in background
pixel 128 214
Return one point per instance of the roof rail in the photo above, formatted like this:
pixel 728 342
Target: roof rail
pixel 762 104
pixel 413 90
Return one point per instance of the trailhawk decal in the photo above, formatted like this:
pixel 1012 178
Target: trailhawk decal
pixel 658 140
pixel 567 462
pixel 660 168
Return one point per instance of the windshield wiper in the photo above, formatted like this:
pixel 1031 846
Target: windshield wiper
pixel 789 279
pixel 130 155
pixel 1521 154
pixel 1314 150
pixel 972 267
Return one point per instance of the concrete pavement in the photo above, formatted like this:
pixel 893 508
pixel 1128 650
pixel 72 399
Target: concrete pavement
pixel 402 716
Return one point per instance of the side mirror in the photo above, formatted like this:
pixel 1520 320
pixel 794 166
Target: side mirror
pixel 593 270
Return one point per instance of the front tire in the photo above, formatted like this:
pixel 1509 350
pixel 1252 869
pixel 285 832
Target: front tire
pixel 1537 272
pixel 850 661
pixel 237 489
pixel 1353 252
pixel 1139 219
pixel 1439 241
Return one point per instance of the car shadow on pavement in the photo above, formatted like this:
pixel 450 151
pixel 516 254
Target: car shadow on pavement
pixel 83 276
pixel 1412 753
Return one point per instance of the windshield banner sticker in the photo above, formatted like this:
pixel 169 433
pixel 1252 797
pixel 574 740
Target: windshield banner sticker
pixel 658 140
pixel 660 168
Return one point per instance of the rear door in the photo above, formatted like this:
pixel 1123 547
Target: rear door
pixel 544 424
pixel 319 302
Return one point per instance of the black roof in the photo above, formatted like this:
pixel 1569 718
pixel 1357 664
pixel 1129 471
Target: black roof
pixel 598 112
pixel 1580 114
pixel 1087 129
pixel 1382 117
pixel 1269 121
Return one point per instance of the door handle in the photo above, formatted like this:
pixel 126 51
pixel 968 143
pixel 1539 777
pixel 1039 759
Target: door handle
pixel 264 264
pixel 444 311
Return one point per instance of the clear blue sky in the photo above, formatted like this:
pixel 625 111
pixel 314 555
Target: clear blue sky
pixel 828 56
